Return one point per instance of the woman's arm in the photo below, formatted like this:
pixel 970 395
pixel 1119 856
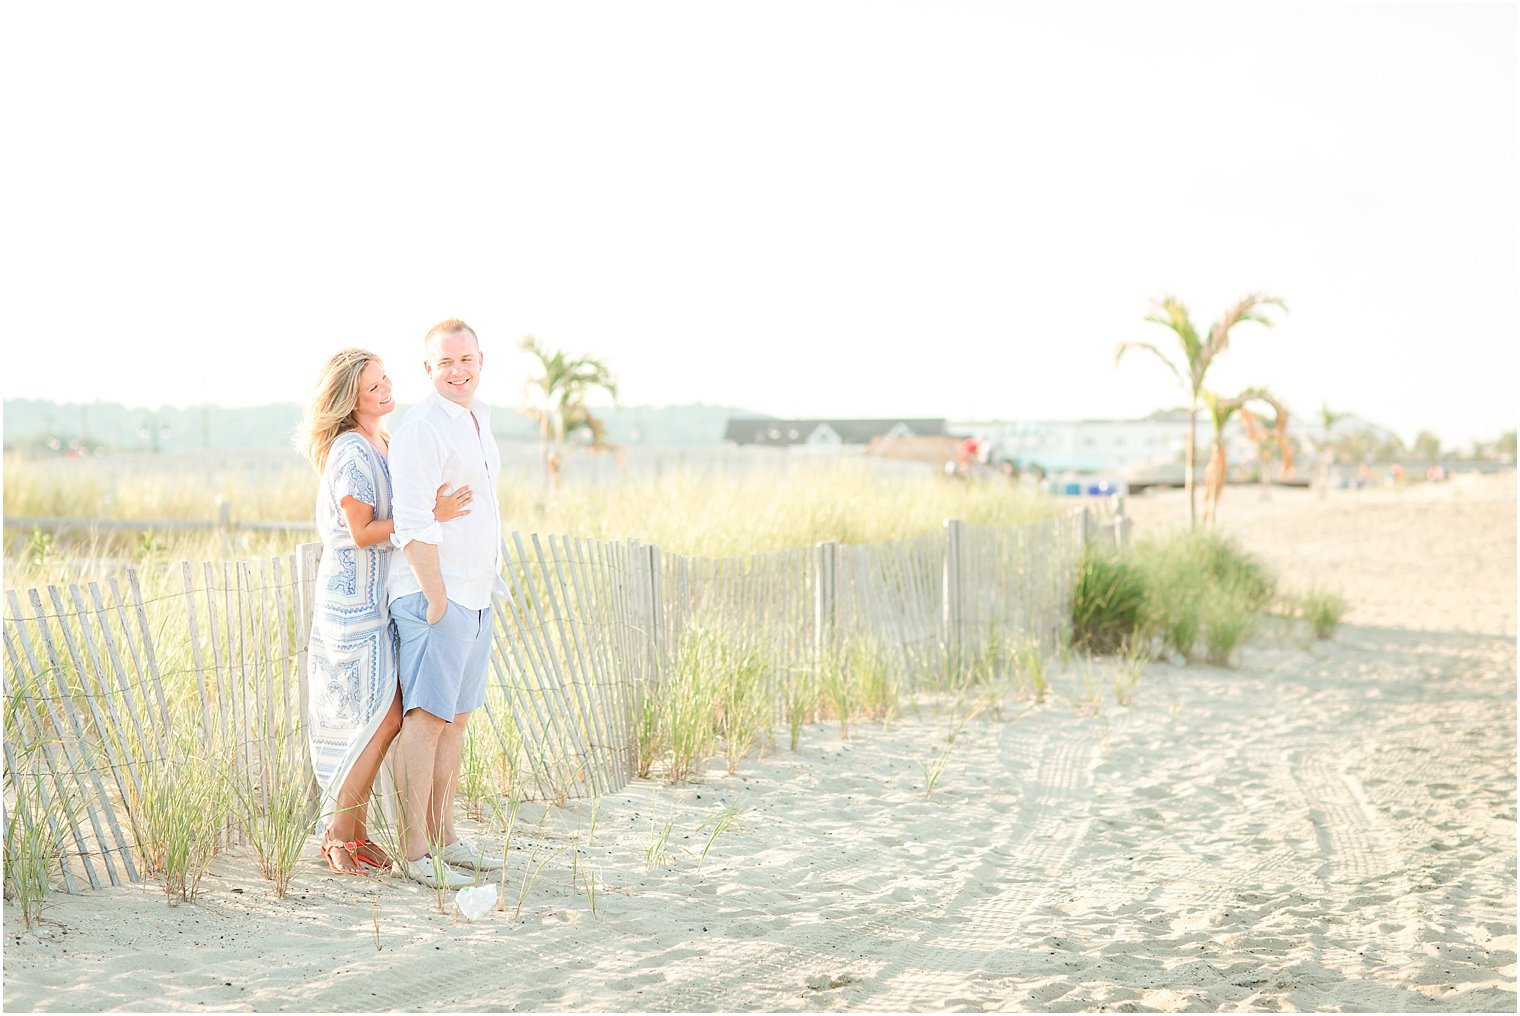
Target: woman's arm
pixel 368 530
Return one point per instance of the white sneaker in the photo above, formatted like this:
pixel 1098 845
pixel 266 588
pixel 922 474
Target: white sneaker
pixel 464 854
pixel 432 871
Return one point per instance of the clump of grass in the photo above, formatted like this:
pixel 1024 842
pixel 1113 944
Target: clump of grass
pixel 799 701
pixel 647 733
pixel 1201 586
pixel 35 820
pixel 1133 659
pixel 872 675
pixel 854 680
pixel 276 812
pixel 35 817
pixel 1008 662
pixel 1029 665
pixel 1089 699
pixel 933 767
pixel 687 719
pixel 590 885
pixel 1108 602
pixel 836 693
pixel 1228 620
pixel 1322 609
pixel 506 818
pixel 531 872
pixel 935 763
pixel 484 771
pixel 720 688
pixel 658 851
pixel 743 704
pixel 181 813
pixel 727 818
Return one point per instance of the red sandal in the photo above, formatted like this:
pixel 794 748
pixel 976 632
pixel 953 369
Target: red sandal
pixel 351 847
pixel 365 862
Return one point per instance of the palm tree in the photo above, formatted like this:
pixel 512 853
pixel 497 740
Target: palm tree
pixel 1198 356
pixel 1221 409
pixel 556 401
pixel 1266 433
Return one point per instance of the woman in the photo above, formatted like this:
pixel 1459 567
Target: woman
pixel 355 711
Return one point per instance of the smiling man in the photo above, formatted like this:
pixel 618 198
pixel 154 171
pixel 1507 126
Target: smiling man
pixel 440 597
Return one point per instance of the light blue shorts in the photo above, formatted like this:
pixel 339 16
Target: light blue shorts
pixel 442 666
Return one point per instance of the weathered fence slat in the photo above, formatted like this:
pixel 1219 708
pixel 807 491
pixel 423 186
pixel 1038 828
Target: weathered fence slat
pixel 542 683
pixel 94 798
pixel 150 658
pixel 526 714
pixel 558 664
pixel 590 624
pixel 115 747
pixel 570 649
pixel 307 558
pixel 124 682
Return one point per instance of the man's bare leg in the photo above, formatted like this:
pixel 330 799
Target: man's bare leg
pixel 417 751
pixel 446 780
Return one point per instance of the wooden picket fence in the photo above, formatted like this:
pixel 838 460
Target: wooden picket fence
pixel 105 686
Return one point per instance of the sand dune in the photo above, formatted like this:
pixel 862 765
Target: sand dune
pixel 1330 827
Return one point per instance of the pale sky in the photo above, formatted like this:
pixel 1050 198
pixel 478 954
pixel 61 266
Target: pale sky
pixel 807 209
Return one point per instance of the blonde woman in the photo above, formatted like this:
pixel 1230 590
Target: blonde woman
pixel 354 710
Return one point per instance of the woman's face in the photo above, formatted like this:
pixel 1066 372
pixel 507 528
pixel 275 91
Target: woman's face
pixel 374 391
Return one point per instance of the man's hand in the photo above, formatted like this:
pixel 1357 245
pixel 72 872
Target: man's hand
pixel 423 557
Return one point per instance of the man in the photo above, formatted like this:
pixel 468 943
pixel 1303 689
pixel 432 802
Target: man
pixel 440 596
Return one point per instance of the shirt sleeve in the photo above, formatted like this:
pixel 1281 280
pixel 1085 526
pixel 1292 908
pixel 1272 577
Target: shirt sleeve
pixel 416 466
pixel 351 474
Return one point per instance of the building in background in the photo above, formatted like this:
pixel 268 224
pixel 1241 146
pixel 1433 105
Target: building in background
pixel 826 435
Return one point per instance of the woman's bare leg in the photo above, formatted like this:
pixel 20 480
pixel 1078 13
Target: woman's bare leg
pixel 353 797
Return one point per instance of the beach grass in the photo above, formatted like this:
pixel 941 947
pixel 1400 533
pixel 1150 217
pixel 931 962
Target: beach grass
pixel 35 819
pixel 1109 600
pixel 682 511
pixel 275 808
pixel 1322 610
pixel 727 818
pixel 182 813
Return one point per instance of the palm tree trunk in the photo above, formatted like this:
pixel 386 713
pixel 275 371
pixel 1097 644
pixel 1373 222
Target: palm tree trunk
pixel 1187 479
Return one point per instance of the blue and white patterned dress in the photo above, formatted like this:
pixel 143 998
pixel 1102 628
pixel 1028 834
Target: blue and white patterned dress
pixel 351 661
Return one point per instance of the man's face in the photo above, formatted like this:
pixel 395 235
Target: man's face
pixel 453 363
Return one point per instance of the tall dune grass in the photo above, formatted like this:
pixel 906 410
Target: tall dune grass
pixel 1197 594
pixel 682 512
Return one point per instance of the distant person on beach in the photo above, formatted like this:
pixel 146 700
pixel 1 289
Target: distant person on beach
pixel 354 711
pixel 966 454
pixel 440 598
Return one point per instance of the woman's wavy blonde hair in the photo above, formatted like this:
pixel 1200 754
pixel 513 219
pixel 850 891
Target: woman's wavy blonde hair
pixel 331 412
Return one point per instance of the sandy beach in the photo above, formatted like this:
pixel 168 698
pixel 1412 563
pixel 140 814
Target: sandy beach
pixel 1326 825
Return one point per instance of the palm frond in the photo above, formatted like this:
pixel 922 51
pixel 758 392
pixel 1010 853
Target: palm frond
pixel 1124 347
pixel 1172 313
pixel 1251 308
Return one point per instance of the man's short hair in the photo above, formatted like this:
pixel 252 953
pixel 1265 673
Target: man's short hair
pixel 448 327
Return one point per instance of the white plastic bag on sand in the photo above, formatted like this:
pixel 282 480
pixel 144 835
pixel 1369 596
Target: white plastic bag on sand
pixel 474 901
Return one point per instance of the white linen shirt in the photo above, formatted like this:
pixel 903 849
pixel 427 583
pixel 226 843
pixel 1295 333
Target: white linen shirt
pixel 438 442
